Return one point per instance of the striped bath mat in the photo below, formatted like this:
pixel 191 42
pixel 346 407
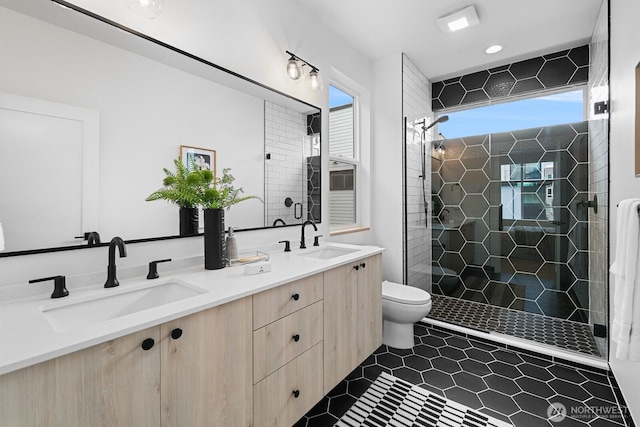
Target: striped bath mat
pixel 390 401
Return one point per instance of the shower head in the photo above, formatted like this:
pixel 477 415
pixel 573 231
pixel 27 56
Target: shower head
pixel 440 119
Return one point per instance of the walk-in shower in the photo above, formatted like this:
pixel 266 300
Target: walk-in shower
pixel 509 215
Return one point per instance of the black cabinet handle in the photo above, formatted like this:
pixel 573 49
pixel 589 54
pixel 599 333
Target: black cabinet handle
pixel 296 337
pixel 296 393
pixel 176 333
pixel 356 267
pixel 363 265
pixel 148 344
pixel 295 297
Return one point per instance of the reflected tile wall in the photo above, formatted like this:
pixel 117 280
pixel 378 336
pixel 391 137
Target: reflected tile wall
pixel 285 130
pixel 599 172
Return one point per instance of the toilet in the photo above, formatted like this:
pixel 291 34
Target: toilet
pixel 402 306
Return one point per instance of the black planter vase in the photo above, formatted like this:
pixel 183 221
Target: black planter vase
pixel 188 221
pixel 214 242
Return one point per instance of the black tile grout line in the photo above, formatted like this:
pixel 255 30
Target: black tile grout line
pixel 513 348
pixel 488 312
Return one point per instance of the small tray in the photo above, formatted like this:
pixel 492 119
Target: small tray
pixel 249 257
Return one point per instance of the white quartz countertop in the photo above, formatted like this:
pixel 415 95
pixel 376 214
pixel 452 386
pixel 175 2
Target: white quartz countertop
pixel 28 337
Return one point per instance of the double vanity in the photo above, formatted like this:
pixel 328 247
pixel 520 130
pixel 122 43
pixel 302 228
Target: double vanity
pixel 194 347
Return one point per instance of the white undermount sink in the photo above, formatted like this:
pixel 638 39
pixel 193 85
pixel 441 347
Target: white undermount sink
pixel 327 252
pixel 113 303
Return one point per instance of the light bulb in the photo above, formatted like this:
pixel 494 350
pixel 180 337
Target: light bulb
pixel 149 9
pixel 293 69
pixel 315 81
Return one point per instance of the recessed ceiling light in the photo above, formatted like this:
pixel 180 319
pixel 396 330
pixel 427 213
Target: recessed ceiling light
pixel 493 49
pixel 464 18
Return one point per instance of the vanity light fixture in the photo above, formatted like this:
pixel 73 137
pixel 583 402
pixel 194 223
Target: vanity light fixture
pixel 149 9
pixel 493 49
pixel 294 69
pixel 459 20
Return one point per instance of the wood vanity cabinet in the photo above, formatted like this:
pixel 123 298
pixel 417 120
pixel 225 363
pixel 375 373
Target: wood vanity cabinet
pixel 352 317
pixel 111 384
pixel 203 375
pixel 262 360
pixel 205 363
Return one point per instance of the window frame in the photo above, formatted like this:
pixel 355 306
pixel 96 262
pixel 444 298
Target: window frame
pixel 355 161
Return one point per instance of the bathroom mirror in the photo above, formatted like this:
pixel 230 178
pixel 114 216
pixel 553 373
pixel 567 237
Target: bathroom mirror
pixel 91 114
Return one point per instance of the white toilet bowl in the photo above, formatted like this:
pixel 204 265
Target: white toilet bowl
pixel 402 306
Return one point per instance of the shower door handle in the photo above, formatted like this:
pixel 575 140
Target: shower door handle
pixel 500 223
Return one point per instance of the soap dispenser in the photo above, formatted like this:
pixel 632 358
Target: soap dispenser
pixel 232 247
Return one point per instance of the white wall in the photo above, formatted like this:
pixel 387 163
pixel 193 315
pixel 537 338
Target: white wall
pixel 249 38
pixel 386 180
pixel 625 55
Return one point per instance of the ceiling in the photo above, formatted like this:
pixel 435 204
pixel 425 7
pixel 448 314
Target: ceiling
pixel 381 28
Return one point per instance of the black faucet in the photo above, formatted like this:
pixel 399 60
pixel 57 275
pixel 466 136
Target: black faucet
pixel 302 245
pixel 93 238
pixel 112 281
pixel 278 220
pixel 59 282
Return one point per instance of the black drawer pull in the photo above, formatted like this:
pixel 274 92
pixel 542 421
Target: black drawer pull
pixel 148 344
pixel 176 333
pixel 363 265
pixel 296 337
pixel 295 297
pixel 356 267
pixel 296 393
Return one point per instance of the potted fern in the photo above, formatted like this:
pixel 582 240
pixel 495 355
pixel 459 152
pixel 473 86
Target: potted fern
pixel 184 188
pixel 198 188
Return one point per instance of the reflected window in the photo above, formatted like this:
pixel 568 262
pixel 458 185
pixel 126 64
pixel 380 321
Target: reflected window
pixel 527 191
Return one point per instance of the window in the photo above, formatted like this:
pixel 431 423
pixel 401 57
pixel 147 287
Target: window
pixel 558 108
pixel 343 158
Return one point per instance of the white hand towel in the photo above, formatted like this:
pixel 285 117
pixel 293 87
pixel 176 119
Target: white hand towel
pixel 626 302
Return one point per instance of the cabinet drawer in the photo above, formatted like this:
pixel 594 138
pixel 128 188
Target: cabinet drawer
pixel 275 403
pixel 274 304
pixel 279 342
